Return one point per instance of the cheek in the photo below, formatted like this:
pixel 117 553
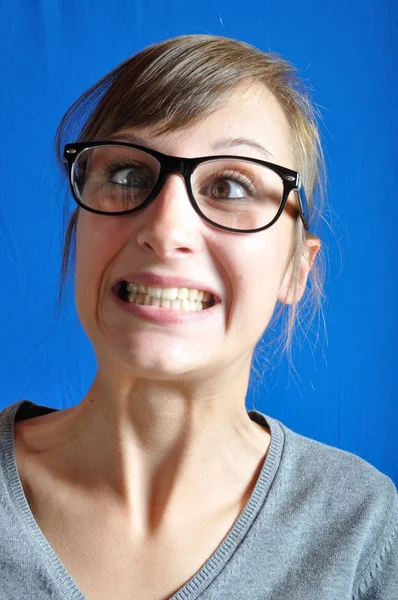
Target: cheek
pixel 263 261
pixel 260 266
pixel 97 242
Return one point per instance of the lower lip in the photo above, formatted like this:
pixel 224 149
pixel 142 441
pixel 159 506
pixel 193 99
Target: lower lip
pixel 164 316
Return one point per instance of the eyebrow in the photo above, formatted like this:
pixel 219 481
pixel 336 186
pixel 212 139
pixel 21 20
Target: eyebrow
pixel 232 142
pixel 135 138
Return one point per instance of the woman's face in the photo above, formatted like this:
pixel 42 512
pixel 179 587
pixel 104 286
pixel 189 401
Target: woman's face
pixel 169 238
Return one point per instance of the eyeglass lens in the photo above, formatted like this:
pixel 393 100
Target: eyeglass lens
pixel 232 192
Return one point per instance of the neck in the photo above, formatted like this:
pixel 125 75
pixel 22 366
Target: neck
pixel 146 446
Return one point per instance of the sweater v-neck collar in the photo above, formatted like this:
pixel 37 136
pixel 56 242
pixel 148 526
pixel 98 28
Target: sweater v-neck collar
pixel 60 576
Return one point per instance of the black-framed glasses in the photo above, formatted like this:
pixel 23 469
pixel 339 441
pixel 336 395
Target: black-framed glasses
pixel 234 193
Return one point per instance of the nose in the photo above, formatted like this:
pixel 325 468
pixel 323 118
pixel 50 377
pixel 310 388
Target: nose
pixel 169 224
pixel 172 205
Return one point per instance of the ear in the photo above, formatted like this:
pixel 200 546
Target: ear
pixel 310 249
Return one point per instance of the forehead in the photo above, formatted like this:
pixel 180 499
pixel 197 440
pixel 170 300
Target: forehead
pixel 254 114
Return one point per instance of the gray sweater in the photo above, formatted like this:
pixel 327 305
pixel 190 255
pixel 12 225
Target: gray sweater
pixel 321 524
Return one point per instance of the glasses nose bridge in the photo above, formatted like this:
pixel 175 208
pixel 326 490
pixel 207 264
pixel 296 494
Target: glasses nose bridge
pixel 174 164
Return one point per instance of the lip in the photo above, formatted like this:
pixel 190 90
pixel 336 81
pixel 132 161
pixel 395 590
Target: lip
pixel 155 280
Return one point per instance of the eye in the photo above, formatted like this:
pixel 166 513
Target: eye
pixel 131 175
pixel 228 185
pixel 132 178
pixel 223 188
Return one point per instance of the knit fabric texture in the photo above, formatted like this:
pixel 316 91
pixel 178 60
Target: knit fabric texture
pixel 320 524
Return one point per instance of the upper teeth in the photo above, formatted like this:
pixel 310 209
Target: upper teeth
pixel 191 294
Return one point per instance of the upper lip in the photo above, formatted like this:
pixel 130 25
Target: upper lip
pixel 154 280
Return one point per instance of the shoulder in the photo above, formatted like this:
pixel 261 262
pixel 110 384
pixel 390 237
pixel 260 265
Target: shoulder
pixel 346 502
pixel 349 494
pixel 337 470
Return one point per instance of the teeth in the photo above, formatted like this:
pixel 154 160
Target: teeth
pixel 184 305
pixel 170 294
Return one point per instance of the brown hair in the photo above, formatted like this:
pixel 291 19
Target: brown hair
pixel 175 83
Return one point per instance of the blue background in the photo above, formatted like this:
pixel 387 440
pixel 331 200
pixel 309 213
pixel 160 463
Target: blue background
pixel 343 392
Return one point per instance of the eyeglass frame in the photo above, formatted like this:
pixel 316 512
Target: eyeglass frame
pixel 185 166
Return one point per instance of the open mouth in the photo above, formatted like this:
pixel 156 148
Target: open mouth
pixel 144 299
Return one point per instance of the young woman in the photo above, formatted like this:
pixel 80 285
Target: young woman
pixel 194 170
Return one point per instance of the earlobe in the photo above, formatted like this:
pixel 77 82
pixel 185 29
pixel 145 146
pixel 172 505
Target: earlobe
pixel 286 295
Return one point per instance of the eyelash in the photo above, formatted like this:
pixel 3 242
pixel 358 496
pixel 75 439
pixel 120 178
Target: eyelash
pixel 237 178
pixel 114 166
